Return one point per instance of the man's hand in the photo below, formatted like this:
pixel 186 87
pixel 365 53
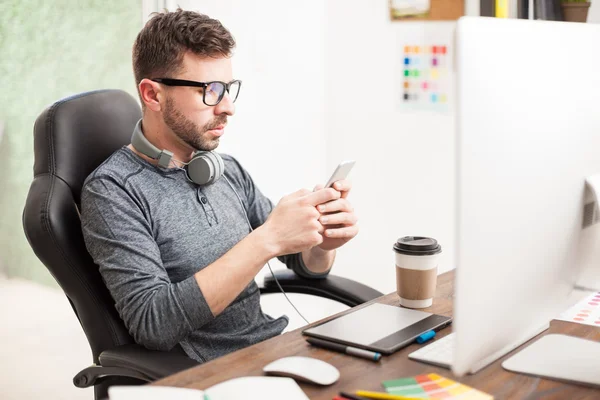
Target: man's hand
pixel 337 217
pixel 293 225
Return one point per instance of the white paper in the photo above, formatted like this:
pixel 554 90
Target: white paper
pixel 257 387
pixel 425 67
pixel 153 393
pixel 249 387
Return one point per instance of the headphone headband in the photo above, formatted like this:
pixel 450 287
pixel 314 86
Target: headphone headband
pixel 143 145
pixel 204 168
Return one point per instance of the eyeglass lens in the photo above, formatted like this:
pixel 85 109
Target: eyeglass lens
pixel 214 92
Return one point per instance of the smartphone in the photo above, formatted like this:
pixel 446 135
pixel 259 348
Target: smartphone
pixel 341 172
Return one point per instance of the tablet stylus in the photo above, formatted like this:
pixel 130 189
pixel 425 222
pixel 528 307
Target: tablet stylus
pixel 354 351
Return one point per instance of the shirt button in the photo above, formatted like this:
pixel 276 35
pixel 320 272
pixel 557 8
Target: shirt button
pixel 203 200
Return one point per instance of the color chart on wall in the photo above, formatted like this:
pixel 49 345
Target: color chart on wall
pixel 586 312
pixel 433 386
pixel 425 77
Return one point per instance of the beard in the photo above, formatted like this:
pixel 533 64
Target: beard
pixel 188 131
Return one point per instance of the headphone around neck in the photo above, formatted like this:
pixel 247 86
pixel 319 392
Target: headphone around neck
pixel 204 168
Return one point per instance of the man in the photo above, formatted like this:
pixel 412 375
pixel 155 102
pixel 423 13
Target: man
pixel 178 257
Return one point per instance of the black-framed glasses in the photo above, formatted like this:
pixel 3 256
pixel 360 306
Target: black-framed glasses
pixel 213 91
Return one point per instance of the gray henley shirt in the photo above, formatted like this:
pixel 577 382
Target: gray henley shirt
pixel 150 230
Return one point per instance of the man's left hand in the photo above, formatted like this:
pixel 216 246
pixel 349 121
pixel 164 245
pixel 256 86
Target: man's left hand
pixel 338 218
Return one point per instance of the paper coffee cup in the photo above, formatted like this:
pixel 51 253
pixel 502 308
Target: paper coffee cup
pixel 416 270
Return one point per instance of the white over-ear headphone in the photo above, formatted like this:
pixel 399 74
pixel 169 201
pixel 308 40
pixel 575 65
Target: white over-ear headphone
pixel 204 168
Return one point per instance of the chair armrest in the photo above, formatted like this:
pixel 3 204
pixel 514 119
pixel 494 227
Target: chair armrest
pixel 152 363
pixel 133 361
pixel 343 290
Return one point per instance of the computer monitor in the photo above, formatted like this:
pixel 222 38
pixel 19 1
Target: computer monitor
pixel 528 136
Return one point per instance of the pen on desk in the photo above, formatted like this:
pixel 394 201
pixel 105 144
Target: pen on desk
pixel 351 396
pixel 384 396
pixel 369 355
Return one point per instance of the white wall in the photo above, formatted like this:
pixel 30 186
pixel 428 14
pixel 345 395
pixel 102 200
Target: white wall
pixel 278 130
pixel 317 55
pixel 404 177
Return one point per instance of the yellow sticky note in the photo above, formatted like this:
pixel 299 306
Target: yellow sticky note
pixel 434 73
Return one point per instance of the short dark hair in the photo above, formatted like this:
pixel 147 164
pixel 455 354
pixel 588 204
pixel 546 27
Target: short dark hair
pixel 161 44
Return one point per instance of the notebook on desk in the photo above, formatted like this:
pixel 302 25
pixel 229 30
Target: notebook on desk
pixel 379 327
pixel 247 387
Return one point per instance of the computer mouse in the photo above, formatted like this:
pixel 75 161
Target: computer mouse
pixel 304 369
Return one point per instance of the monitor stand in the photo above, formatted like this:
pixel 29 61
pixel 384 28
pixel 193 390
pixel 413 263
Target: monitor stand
pixel 559 357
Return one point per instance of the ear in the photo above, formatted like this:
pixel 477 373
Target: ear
pixel 151 93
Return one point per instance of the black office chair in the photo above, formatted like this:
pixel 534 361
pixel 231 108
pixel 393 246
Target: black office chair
pixel 71 138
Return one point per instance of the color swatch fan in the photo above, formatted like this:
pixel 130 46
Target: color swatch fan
pixel 433 386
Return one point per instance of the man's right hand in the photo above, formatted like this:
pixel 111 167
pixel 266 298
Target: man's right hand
pixel 293 225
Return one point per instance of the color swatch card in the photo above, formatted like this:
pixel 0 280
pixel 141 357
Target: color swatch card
pixel 586 312
pixel 433 386
pixel 425 77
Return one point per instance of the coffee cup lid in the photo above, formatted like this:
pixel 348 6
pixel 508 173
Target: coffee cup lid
pixel 417 246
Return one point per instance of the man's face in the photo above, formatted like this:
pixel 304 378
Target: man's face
pixel 198 125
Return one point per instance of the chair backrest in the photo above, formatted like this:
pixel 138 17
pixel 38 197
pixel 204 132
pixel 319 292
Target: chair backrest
pixel 71 138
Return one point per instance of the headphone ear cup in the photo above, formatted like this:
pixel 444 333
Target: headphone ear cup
pixel 205 168
pixel 200 170
pixel 217 164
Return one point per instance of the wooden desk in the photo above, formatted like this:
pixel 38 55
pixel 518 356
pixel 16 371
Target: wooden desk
pixel 357 373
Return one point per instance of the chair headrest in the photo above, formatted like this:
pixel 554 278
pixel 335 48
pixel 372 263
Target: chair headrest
pixel 76 134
